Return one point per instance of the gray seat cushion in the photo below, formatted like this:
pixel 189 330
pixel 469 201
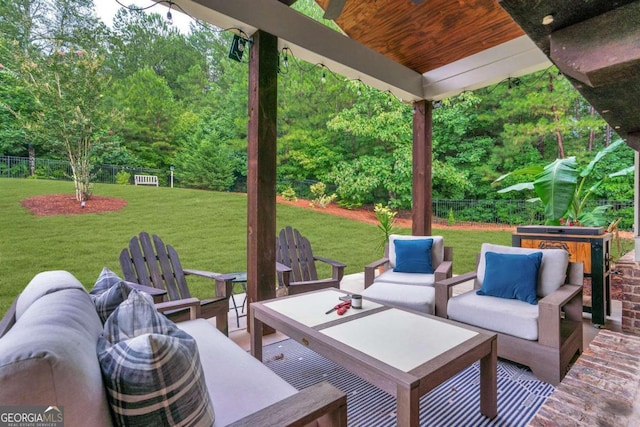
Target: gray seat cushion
pixel 419 279
pixel 508 316
pixel 419 298
pixel 230 394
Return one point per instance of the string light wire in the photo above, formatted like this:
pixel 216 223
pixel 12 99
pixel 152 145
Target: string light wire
pixel 293 61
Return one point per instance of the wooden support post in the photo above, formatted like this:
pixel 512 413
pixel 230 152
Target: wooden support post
pixel 261 174
pixel 422 163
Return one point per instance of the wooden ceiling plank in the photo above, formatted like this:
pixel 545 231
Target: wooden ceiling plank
pixel 429 35
pixel 600 50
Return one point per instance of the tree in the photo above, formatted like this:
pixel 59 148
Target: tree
pixel 379 165
pixel 206 160
pixel 543 112
pixel 140 40
pixel 150 112
pixel 15 102
pixel 67 87
pixel 72 24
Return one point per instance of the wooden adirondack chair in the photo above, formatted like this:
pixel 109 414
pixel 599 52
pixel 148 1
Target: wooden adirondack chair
pixel 157 265
pixel 294 251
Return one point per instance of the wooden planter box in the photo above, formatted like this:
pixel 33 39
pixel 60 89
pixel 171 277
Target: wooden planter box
pixel 589 245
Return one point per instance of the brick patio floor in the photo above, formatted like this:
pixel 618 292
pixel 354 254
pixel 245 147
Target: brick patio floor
pixel 601 389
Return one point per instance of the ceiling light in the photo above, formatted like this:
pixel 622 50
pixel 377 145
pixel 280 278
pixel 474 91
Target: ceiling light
pixel 547 20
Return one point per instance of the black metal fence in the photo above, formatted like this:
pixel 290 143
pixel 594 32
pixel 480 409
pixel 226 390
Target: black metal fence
pixel 25 167
pixel 445 212
pixel 516 212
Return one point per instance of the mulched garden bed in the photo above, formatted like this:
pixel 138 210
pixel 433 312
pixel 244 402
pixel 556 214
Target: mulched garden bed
pixel 66 204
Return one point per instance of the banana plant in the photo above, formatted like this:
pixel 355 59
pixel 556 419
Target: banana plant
pixel 562 188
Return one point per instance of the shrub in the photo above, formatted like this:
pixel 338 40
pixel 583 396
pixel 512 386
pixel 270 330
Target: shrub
pixel 321 199
pixel 452 219
pixel 123 178
pixel 289 194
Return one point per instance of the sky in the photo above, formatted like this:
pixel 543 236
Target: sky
pixel 106 9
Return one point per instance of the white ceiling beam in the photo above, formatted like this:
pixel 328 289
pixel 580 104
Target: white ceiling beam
pixel 511 59
pixel 311 41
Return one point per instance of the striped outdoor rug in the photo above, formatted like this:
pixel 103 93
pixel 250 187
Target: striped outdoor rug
pixel 454 403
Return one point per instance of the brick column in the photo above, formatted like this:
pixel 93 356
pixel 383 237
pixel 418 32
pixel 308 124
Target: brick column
pixel 629 276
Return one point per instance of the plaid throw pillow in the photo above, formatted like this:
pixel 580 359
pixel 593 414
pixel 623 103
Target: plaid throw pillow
pixel 108 292
pixel 151 369
pixel 106 280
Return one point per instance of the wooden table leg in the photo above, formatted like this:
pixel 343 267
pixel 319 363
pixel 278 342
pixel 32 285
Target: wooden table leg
pixel 489 382
pixel 256 337
pixel 408 406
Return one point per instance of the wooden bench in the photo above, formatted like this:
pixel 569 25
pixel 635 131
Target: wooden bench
pixel 146 180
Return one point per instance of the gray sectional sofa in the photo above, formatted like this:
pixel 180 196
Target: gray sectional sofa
pixel 48 357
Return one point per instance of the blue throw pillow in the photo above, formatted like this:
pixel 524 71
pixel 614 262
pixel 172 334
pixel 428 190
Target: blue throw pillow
pixel 413 256
pixel 513 276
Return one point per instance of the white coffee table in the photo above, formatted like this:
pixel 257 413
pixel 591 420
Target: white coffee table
pixel 406 354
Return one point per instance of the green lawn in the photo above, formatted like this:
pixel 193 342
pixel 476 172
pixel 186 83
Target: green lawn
pixel 208 230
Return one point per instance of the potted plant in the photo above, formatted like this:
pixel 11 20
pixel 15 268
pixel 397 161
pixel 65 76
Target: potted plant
pixel 562 188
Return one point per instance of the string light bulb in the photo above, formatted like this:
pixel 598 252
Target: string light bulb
pixel 169 15
pixel 285 61
pixel 390 95
pixel 324 77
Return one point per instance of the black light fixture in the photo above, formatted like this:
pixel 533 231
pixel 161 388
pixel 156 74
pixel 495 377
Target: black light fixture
pixel 238 45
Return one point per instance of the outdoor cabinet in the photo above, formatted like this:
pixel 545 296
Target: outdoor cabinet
pixel 589 245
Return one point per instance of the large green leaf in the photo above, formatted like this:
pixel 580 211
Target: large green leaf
pixel 529 170
pixel 595 218
pixel 556 186
pixel 518 187
pixel 599 155
pixel 622 172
